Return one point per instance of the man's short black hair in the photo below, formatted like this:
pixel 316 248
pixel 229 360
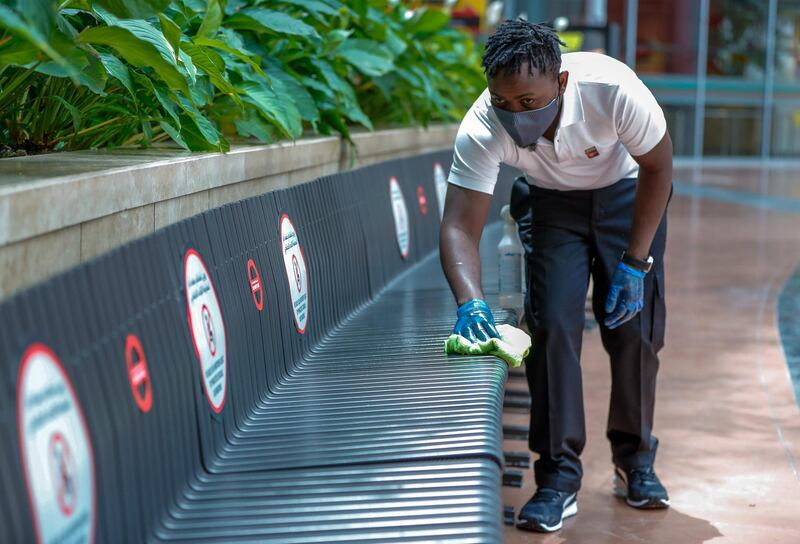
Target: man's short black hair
pixel 517 43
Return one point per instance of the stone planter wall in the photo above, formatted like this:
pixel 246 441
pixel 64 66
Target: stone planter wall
pixel 61 209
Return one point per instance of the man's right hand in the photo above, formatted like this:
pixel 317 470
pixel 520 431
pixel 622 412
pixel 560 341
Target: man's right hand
pixel 475 321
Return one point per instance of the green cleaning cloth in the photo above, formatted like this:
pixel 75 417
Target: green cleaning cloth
pixel 512 346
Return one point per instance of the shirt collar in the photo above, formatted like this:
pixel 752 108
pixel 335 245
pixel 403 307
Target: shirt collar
pixel 572 108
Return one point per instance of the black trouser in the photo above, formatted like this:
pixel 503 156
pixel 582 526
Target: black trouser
pixel 575 234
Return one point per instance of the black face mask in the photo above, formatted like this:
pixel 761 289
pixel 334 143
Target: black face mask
pixel 526 127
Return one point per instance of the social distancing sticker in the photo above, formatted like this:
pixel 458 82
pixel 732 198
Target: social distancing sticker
pixel 440 183
pixel 400 213
pixel 56 450
pixel 207 328
pixel 296 272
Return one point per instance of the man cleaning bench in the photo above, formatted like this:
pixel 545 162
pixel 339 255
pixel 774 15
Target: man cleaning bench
pixel 592 141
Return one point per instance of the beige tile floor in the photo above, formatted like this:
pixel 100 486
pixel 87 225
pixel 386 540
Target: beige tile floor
pixel 726 416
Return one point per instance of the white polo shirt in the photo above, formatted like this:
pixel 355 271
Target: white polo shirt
pixel 607 115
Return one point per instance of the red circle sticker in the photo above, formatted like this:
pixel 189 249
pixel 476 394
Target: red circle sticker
pixel 256 287
pixel 422 199
pixel 138 374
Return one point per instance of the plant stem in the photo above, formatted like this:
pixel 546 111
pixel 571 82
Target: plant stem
pixel 95 127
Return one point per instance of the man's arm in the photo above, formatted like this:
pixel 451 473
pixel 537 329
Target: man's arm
pixel 465 213
pixel 652 194
pixel 626 294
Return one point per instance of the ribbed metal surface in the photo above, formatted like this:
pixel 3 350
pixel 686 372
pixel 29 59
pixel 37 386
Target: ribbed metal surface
pixel 377 388
pixel 453 501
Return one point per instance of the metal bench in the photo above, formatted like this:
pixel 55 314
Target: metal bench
pixel 270 371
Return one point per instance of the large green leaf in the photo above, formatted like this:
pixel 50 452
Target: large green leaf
pixel 209 61
pixel 133 9
pixel 261 19
pixel 256 127
pixel 174 134
pixel 332 78
pixel 222 46
pixel 394 43
pixel 354 112
pixel 150 34
pixel 196 139
pixel 164 97
pixel 368 57
pixel 188 65
pixel 75 57
pixel 13 23
pixel 142 45
pixel 212 20
pixel 40 14
pixel 294 90
pixel 117 69
pixel 320 87
pixel 205 58
pixel 172 32
pixel 314 7
pixel 204 126
pixel 282 111
pixel 19 52
pixel 334 38
pixel 94 75
pixel 426 21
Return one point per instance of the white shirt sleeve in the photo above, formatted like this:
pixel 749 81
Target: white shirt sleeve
pixel 477 155
pixel 638 117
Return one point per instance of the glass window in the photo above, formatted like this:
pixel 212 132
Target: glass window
pixel 737 44
pixel 615 16
pixel 786 109
pixel 737 31
pixel 732 130
pixel 666 37
pixel 666 60
pixel 680 123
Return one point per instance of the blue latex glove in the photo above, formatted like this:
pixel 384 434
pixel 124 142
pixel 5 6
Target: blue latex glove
pixel 626 295
pixel 475 321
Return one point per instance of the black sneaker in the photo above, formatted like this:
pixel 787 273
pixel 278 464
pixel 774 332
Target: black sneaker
pixel 546 510
pixel 640 488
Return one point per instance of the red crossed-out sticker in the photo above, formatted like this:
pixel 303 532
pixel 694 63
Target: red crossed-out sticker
pixel 256 287
pixel 296 268
pixel 208 328
pixel 63 473
pixel 138 374
pixel 422 199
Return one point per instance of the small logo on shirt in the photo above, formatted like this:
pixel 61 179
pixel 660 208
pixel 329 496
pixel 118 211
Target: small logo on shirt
pixel 591 152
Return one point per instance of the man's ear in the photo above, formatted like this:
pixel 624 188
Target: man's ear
pixel 563 77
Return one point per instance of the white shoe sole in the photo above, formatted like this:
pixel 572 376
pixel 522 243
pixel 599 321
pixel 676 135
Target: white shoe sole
pixel 531 525
pixel 621 491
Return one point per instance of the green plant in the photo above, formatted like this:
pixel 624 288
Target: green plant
pixel 87 74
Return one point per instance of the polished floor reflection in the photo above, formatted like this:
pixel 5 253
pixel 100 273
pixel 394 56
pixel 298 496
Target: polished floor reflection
pixel 726 414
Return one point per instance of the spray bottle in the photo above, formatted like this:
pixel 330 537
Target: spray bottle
pixel 510 255
pixel 440 183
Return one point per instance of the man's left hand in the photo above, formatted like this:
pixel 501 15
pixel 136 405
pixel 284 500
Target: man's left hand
pixel 625 297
